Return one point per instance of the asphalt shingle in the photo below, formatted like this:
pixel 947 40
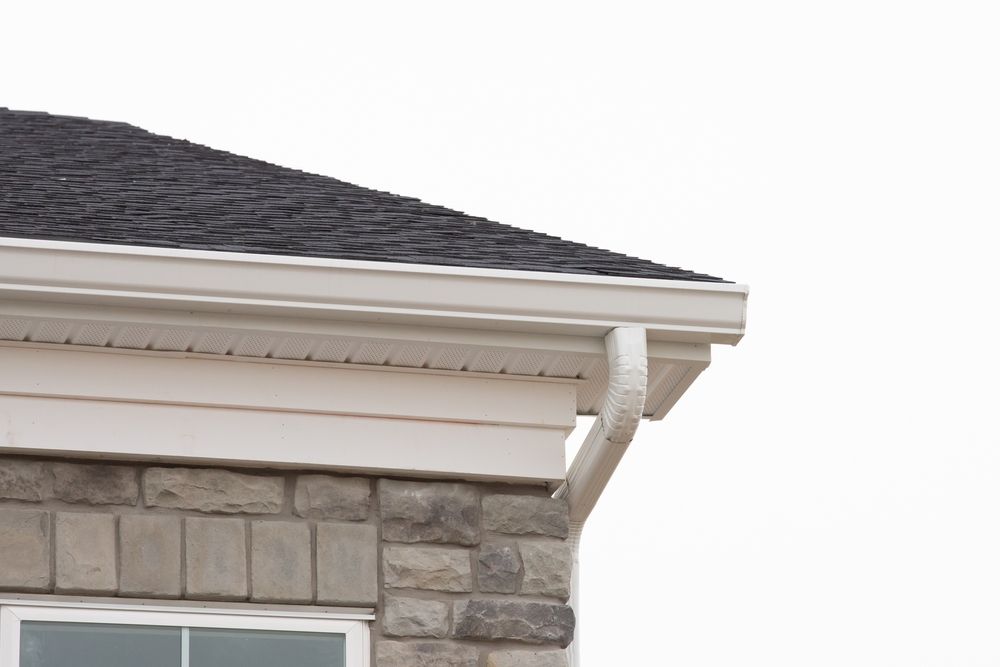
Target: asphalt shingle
pixel 75 179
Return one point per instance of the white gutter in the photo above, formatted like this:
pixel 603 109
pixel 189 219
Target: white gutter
pixel 605 445
pixel 91 274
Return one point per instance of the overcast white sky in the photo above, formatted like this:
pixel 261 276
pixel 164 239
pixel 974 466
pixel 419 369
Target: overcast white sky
pixel 828 493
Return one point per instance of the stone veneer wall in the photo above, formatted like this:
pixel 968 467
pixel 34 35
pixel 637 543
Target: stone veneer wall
pixel 460 574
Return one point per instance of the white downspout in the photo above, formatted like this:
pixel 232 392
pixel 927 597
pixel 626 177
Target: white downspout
pixel 605 445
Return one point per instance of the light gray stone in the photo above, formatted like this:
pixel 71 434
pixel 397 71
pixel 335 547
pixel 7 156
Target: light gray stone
pixel 85 553
pixel 526 515
pixel 412 617
pixel 548 569
pixel 424 654
pixel 24 550
pixel 150 555
pixel 529 622
pixel 210 490
pixel 24 479
pixel 216 559
pixel 499 568
pixel 426 568
pixel 327 497
pixel 346 564
pixel 96 484
pixel 429 512
pixel 527 659
pixel 280 561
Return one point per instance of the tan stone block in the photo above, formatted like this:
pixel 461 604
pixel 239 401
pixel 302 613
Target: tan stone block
pixel 216 559
pixel 150 555
pixel 413 617
pixel 280 562
pixel 346 564
pixel 329 497
pixel 427 568
pixel 214 491
pixel 24 550
pixel 85 553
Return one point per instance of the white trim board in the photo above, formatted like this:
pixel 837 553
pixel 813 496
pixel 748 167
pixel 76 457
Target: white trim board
pixel 223 436
pixel 347 415
pixel 341 390
pixel 518 301
pixel 139 407
pixel 189 606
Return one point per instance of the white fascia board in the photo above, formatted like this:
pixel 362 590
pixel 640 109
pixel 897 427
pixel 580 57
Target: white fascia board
pixel 378 292
pixel 202 435
pixel 98 375
pixel 136 406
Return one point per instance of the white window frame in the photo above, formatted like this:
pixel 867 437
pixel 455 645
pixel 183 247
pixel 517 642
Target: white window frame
pixel 354 627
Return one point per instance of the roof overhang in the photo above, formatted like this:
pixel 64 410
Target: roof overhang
pixel 339 311
pixel 503 331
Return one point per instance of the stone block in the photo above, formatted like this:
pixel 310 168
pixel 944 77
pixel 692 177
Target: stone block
pixel 280 561
pixel 85 553
pixel 425 654
pixel 429 512
pixel 548 569
pixel 216 559
pixel 346 564
pixel 412 617
pixel 512 620
pixel 96 484
pixel 24 550
pixel 214 491
pixel 527 659
pixel 526 515
pixel 24 479
pixel 150 555
pixel 499 568
pixel 426 568
pixel 337 498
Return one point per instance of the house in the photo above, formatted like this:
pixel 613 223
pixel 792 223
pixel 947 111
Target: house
pixel 253 416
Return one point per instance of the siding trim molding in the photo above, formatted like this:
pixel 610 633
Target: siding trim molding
pixel 137 407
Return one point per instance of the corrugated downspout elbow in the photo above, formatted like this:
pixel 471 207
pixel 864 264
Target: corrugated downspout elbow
pixel 605 444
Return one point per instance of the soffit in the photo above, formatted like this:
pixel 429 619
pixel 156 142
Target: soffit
pixel 672 367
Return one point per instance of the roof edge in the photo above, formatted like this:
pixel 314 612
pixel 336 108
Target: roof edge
pixel 419 294
pixel 332 262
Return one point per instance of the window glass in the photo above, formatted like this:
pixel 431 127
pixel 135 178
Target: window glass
pixel 98 645
pixel 46 644
pixel 252 648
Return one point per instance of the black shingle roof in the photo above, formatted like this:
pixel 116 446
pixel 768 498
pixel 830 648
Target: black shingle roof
pixel 75 179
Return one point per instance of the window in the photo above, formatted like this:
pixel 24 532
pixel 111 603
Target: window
pixel 52 634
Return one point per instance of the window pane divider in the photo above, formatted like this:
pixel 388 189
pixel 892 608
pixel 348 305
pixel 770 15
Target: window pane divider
pixel 185 647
